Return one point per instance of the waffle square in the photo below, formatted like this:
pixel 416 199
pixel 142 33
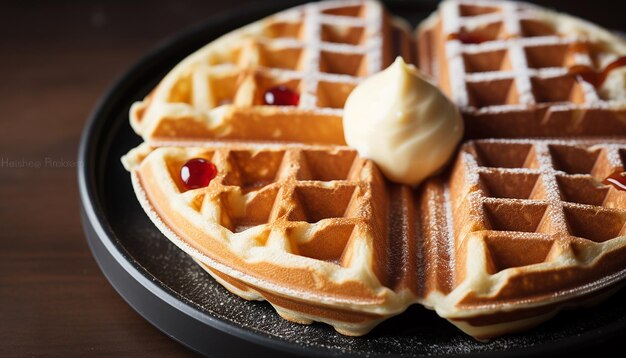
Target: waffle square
pixel 306 228
pixel 528 224
pixel 515 231
pixel 508 68
pixel 319 51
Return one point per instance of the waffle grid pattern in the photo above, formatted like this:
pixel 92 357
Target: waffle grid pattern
pixel 522 62
pixel 331 214
pixel 547 194
pixel 302 202
pixel 318 50
pixel 536 209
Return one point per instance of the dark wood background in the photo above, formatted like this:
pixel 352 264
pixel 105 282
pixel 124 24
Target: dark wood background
pixel 56 59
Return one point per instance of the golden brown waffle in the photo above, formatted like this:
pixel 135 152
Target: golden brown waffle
pixel 305 228
pixel 517 231
pixel 520 230
pixel 319 50
pixel 507 66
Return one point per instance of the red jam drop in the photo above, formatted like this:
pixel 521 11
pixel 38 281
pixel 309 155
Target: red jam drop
pixel 281 96
pixel 197 173
pixel 597 78
pixel 617 180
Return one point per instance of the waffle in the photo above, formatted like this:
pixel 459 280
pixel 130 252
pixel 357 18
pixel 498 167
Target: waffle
pixel 511 233
pixel 320 51
pixel 517 231
pixel 521 229
pixel 510 67
pixel 305 228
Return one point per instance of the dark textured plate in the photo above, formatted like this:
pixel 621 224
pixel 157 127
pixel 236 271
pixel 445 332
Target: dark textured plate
pixel 167 287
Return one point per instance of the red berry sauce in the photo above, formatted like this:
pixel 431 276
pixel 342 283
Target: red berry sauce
pixel 197 173
pixel 281 96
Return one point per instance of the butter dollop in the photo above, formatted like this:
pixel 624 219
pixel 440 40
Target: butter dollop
pixel 405 124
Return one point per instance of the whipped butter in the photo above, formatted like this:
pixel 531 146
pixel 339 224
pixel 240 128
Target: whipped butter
pixel 406 125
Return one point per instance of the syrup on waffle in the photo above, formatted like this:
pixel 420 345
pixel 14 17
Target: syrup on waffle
pixel 513 74
pixel 319 51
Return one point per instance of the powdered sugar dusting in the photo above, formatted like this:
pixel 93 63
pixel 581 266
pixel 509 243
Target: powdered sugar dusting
pixel 509 27
pixel 548 168
pixel 545 160
pixel 449 229
pixel 320 50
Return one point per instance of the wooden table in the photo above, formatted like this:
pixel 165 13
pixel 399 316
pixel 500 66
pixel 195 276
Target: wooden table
pixel 56 60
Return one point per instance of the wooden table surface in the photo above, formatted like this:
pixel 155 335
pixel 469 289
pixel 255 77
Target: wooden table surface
pixel 56 60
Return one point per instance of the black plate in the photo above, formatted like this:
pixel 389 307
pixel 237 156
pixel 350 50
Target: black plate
pixel 167 288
